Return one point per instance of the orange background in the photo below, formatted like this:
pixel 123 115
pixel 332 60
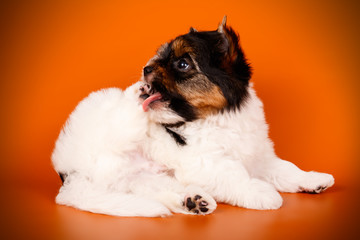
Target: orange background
pixel 305 56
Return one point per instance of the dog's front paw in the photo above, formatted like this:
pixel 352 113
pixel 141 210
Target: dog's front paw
pixel 315 182
pixel 198 204
pixel 259 195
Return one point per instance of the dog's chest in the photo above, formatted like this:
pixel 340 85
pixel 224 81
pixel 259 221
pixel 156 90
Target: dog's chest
pixel 235 136
pixel 184 146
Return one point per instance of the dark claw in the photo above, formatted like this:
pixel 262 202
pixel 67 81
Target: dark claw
pixel 196 211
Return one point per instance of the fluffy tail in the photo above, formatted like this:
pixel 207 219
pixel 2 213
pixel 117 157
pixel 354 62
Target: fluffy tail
pixel 83 196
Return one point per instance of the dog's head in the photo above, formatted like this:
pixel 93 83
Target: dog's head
pixel 195 75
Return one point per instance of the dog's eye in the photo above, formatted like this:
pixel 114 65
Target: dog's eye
pixel 183 65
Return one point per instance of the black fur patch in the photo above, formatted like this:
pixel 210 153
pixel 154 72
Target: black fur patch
pixel 62 176
pixel 180 140
pixel 177 102
pixel 183 108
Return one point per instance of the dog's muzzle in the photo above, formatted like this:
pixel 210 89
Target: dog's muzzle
pixel 149 95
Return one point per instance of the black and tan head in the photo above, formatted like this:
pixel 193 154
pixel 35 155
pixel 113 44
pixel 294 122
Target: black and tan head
pixel 196 75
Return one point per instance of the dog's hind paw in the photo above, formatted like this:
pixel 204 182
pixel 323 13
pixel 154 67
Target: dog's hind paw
pixel 198 204
pixel 315 182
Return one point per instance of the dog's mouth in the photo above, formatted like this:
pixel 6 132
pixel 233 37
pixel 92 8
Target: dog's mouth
pixel 150 99
pixel 149 96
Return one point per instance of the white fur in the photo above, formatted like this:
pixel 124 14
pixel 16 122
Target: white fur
pixel 119 161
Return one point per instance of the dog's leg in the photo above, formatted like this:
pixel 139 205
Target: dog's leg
pixel 254 193
pixel 229 182
pixel 286 177
pixel 80 192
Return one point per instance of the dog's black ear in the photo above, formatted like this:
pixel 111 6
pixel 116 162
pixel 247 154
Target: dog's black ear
pixel 233 59
pixel 222 24
pixel 231 44
pixel 192 30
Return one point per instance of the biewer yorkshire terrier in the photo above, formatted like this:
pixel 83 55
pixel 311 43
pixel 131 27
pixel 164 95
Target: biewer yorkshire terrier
pixel 190 133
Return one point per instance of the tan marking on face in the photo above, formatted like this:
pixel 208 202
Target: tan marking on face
pixel 180 47
pixel 206 99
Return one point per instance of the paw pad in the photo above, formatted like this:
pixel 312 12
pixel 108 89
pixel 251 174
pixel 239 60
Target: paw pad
pixel 196 204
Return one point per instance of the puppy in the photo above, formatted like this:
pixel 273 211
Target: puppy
pixel 191 133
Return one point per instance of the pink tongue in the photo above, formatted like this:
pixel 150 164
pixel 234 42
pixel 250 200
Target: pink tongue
pixel 152 98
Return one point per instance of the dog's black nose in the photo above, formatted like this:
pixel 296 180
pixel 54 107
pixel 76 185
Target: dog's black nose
pixel 148 70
